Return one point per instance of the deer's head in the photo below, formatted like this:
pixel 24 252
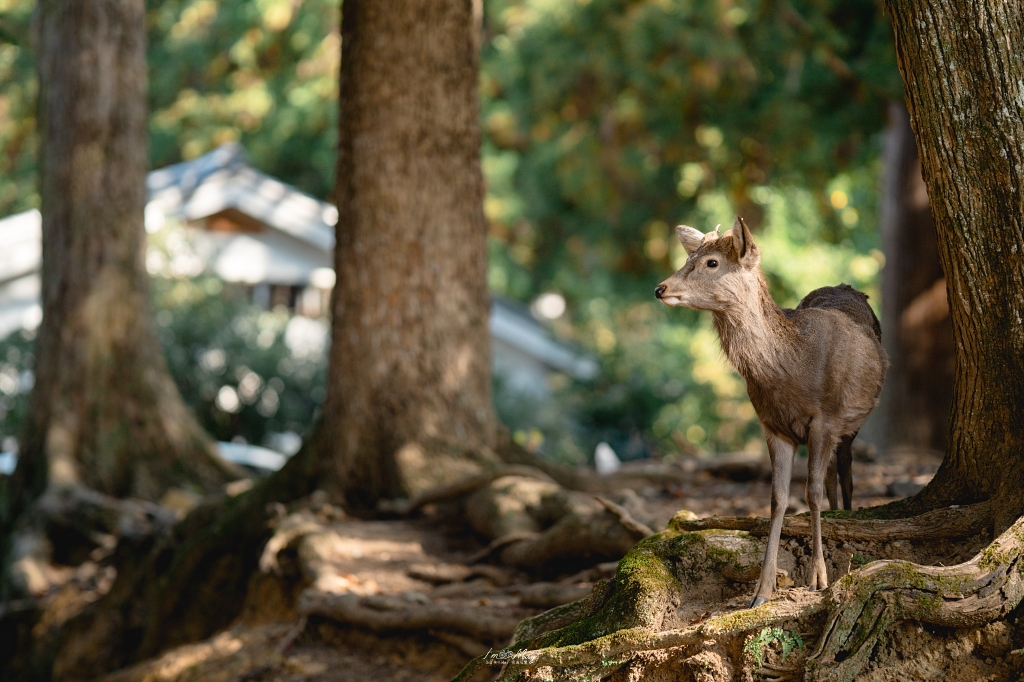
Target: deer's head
pixel 720 273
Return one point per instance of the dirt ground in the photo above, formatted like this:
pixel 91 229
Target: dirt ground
pixel 393 564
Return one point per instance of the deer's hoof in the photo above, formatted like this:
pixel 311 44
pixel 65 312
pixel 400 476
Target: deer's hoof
pixel 757 601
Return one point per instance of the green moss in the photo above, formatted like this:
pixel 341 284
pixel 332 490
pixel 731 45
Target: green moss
pixel 992 558
pixel 737 620
pixel 950 584
pixel 929 601
pixel 644 583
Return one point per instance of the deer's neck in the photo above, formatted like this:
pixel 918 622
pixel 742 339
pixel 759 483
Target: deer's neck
pixel 757 336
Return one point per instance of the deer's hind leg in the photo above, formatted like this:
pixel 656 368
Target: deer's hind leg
pixel 830 484
pixel 820 446
pixel 844 461
pixel 781 452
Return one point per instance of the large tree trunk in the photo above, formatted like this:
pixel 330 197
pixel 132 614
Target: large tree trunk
pixel 964 72
pixel 916 329
pixel 409 383
pixel 105 412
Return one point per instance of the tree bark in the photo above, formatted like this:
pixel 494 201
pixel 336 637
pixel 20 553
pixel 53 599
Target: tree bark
pixel 916 327
pixel 105 412
pixel 409 382
pixel 964 77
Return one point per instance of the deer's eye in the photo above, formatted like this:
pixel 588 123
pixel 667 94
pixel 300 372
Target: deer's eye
pixel 712 263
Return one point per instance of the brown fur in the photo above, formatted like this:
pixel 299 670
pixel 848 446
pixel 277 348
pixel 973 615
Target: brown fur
pixel 813 374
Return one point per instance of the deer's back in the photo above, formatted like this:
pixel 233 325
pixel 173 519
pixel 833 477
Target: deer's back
pixel 846 300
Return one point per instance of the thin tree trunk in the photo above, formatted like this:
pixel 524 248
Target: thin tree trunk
pixel 105 412
pixel 964 75
pixel 409 383
pixel 916 328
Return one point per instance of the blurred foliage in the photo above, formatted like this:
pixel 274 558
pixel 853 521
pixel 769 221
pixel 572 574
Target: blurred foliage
pixel 264 73
pixel 17 377
pixel 230 360
pixel 606 122
pixel 18 90
pixel 609 121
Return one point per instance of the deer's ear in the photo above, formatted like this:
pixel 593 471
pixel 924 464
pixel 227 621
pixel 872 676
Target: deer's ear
pixel 743 242
pixel 689 237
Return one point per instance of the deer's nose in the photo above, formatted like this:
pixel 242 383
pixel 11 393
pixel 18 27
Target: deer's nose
pixel 659 291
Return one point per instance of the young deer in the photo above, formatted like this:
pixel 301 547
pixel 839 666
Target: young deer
pixel 813 374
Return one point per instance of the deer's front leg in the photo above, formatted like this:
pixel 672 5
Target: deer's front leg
pixel 781 453
pixel 820 445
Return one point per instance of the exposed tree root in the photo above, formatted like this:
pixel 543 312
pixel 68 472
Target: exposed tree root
pixel 460 488
pixel 865 603
pixel 66 523
pixel 393 615
pixel 181 583
pixel 622 626
pixel 941 524
pixel 548 595
pixel 574 542
pixel 180 586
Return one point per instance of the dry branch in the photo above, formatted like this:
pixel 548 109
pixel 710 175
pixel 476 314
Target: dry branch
pixel 501 543
pixel 641 530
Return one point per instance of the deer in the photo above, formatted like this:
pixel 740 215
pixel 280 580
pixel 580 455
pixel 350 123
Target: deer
pixel 813 373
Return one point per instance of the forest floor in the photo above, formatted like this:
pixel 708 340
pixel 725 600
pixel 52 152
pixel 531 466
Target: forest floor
pixel 399 565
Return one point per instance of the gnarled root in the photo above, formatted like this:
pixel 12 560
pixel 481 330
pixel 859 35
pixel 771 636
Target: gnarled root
pixel 865 603
pixel 381 614
pixel 631 627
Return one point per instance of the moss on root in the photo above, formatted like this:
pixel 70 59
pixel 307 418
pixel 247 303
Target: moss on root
pixel 638 618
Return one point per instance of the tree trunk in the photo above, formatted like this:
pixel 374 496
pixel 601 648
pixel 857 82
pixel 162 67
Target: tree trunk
pixel 916 328
pixel 964 77
pixel 409 382
pixel 105 412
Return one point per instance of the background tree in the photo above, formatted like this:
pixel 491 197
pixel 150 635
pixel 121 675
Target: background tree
pixel 914 410
pixel 409 382
pixel 104 411
pixel 968 130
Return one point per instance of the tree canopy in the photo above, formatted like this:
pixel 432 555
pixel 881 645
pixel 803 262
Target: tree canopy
pixel 605 123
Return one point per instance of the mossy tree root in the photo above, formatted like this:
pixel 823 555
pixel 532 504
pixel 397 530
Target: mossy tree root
pixel 850 616
pixel 598 658
pixel 864 603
